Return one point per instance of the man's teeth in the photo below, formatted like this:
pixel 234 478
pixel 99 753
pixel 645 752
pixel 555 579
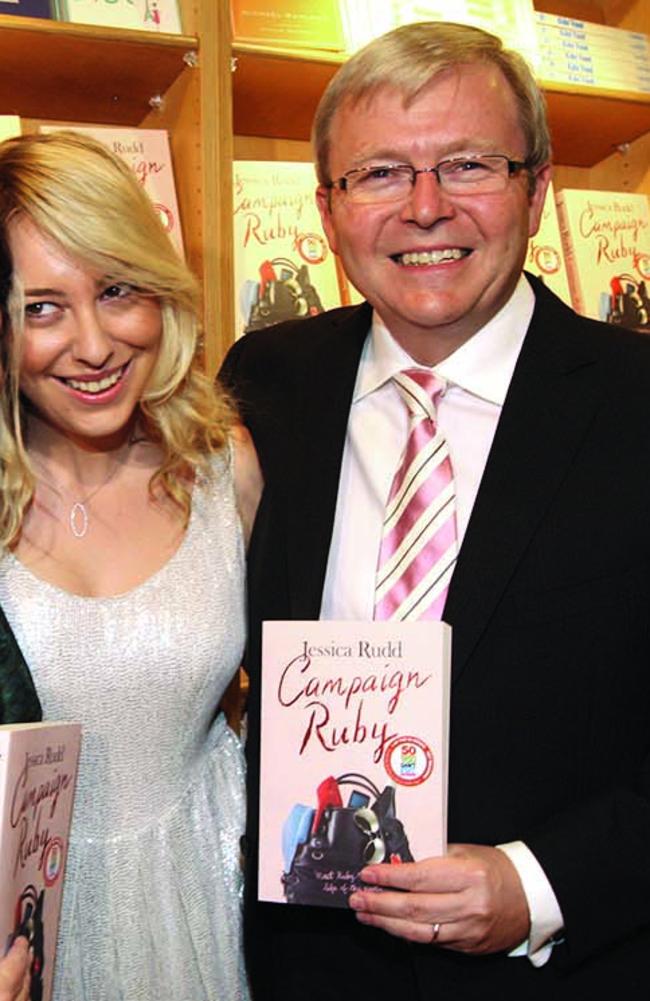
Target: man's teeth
pixel 96 387
pixel 432 256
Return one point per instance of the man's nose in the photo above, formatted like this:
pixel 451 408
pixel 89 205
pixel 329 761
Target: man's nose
pixel 427 200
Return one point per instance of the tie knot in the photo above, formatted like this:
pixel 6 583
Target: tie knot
pixel 420 391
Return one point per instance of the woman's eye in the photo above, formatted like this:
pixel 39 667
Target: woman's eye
pixel 119 290
pixel 34 310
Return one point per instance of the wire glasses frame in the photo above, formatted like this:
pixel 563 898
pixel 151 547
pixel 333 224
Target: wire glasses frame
pixel 461 175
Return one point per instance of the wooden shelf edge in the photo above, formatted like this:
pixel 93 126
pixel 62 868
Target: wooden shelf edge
pixel 599 93
pixel 291 55
pixel 275 96
pixel 335 59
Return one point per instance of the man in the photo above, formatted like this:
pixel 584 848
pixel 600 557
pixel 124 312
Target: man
pixel 433 163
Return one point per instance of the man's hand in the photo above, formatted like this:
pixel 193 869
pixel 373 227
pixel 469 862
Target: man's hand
pixel 473 893
pixel 14 972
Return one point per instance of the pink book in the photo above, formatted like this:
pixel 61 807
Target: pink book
pixel 354 753
pixel 148 153
pixel 38 771
pixel 284 269
pixel 606 239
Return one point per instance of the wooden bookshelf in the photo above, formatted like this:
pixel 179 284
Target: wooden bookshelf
pixel 215 97
pixel 85 74
pixel 81 72
pixel 275 95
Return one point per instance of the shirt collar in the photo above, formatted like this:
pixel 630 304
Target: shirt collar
pixel 482 366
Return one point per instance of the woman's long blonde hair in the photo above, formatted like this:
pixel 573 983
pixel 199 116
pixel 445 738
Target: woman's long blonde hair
pixel 77 193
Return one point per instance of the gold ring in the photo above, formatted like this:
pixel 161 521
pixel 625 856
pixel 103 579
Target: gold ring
pixel 435 932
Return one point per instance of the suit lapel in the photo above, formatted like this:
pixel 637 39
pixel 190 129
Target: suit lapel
pixel 555 389
pixel 324 400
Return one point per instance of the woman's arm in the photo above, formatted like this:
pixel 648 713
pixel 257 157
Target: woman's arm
pixel 248 479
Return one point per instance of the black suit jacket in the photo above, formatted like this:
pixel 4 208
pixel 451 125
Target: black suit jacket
pixel 19 702
pixel 549 604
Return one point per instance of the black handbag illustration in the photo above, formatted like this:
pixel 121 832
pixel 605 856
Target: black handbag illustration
pixel 326 847
pixel 284 292
pixel 627 304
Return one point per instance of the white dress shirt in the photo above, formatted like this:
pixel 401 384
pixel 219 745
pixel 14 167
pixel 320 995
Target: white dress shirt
pixel 477 375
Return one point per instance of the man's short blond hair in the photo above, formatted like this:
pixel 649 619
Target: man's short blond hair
pixel 409 58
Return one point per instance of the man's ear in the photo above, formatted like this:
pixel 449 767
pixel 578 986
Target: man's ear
pixel 542 181
pixel 324 203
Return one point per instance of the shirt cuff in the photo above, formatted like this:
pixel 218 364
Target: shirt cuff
pixel 545 914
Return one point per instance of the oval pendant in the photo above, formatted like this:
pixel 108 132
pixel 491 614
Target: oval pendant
pixel 78 520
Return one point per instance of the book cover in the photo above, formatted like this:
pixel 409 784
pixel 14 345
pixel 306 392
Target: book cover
pixel 145 15
pixel 38 770
pixel 148 153
pixel 26 8
pixel 284 269
pixel 545 254
pixel 354 747
pixel 606 241
pixel 298 24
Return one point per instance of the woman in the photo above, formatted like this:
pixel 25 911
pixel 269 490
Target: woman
pixel 127 495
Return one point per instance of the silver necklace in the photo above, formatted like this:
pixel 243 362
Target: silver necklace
pixel 78 516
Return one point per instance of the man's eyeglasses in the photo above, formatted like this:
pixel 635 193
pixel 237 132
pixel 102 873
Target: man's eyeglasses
pixel 479 174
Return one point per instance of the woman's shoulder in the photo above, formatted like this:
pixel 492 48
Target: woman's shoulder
pixel 232 475
pixel 247 476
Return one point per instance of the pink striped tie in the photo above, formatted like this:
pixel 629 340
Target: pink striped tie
pixel 419 545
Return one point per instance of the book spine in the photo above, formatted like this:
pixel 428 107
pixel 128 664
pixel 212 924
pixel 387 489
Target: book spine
pixel 591 27
pixel 570 262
